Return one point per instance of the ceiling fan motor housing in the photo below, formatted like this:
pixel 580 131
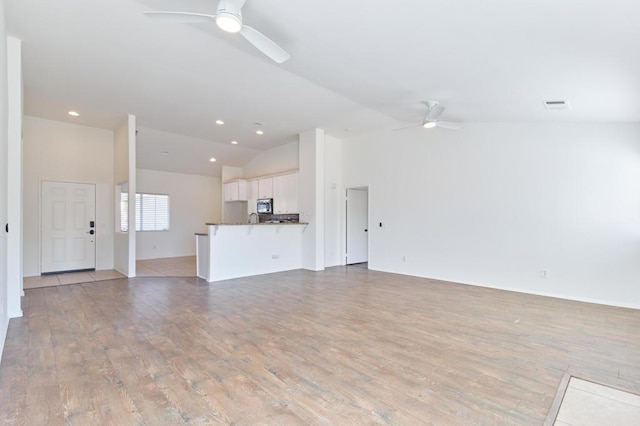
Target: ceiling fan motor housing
pixel 229 16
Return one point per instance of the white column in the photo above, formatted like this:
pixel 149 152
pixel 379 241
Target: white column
pixel 311 197
pixel 124 171
pixel 132 165
pixel 14 177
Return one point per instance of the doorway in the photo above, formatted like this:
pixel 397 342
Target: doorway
pixel 67 227
pixel 357 226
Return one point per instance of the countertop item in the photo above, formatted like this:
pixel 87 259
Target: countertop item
pixel 256 224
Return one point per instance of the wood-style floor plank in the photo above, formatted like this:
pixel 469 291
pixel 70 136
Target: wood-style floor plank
pixel 342 346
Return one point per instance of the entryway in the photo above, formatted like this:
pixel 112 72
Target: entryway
pixel 67 227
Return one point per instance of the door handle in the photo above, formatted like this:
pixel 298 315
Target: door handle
pixel 91 232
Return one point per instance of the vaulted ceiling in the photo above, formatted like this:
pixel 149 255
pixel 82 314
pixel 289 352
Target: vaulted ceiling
pixel 355 66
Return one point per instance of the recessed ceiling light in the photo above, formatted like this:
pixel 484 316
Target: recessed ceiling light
pixel 234 142
pixel 212 159
pixel 219 122
pixel 74 114
pixel 259 132
pixel 429 125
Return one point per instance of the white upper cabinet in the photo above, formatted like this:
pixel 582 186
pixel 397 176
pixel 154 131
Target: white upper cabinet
pixel 265 188
pixel 252 196
pixel 235 191
pixel 283 189
pixel 285 194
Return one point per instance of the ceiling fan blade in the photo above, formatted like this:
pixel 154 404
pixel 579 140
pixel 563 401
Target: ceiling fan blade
pixel 180 17
pixel 434 113
pixel 264 44
pixel 408 127
pixel 449 125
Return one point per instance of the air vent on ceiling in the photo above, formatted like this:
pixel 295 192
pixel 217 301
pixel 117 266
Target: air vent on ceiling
pixel 563 104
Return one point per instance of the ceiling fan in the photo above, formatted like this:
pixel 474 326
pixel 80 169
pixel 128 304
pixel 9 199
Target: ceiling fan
pixel 229 18
pixel 430 120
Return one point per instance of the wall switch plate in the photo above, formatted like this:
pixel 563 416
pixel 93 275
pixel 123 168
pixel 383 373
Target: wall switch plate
pixel 544 273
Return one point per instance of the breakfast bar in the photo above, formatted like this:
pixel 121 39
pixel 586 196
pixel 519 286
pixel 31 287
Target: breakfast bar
pixel 234 250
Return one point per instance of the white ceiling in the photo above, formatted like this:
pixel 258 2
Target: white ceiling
pixel 357 64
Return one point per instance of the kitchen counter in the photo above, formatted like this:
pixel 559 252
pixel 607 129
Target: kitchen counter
pixel 234 250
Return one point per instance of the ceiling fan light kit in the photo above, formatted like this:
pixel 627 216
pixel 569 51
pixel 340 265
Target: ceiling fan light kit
pixel 228 22
pixel 229 16
pixel 431 118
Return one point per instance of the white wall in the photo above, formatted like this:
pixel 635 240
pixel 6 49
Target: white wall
pixel 124 170
pixel 66 152
pixel 333 203
pixel 194 200
pixel 494 204
pixel 4 319
pixel 280 159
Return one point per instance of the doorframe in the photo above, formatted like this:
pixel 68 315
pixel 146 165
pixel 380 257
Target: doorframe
pixel 95 208
pixel 343 260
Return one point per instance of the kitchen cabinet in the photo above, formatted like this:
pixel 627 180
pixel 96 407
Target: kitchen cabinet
pixel 265 188
pixel 252 196
pixel 235 191
pixel 285 194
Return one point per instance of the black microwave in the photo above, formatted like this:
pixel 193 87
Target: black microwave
pixel 265 205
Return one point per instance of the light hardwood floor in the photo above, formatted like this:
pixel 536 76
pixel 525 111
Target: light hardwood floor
pixel 343 346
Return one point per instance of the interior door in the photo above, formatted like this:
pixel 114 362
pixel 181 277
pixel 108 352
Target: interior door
pixel 67 226
pixel 357 226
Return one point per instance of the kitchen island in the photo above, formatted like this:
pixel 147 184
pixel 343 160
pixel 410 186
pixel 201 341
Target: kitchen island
pixel 234 250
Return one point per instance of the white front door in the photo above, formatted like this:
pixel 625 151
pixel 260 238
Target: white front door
pixel 68 240
pixel 357 226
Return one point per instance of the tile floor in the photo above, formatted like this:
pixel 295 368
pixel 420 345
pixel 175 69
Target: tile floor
pixel 586 403
pixel 70 278
pixel 168 267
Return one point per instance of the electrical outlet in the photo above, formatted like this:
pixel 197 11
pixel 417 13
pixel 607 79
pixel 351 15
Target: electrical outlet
pixel 544 274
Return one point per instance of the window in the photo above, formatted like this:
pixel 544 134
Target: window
pixel 124 212
pixel 152 212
